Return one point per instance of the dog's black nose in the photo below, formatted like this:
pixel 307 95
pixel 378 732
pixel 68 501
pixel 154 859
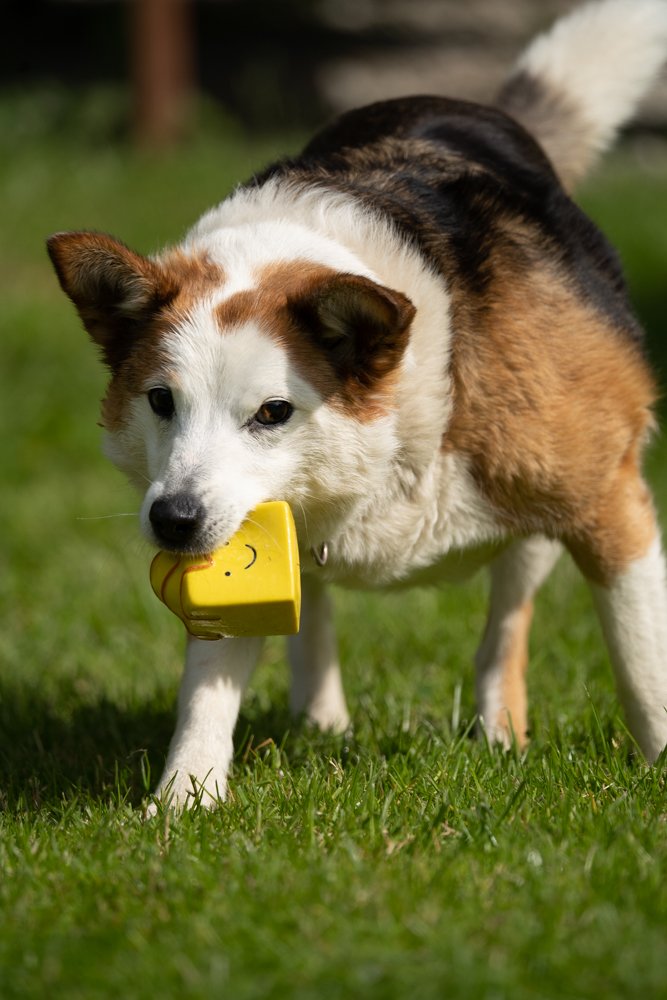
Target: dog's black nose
pixel 176 520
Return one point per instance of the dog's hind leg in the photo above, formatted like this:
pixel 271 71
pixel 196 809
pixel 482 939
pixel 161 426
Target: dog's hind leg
pixel 502 657
pixel 625 566
pixel 317 687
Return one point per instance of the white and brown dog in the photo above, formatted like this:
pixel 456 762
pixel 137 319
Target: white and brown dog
pixel 411 334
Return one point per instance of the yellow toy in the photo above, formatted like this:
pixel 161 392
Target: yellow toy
pixel 250 586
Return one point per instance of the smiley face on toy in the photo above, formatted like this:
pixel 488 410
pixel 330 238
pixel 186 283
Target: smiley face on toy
pixel 249 586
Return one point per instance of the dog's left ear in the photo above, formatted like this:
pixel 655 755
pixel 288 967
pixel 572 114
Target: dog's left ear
pixel 113 288
pixel 363 327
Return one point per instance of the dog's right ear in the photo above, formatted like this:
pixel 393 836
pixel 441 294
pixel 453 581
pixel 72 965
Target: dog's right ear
pixel 112 287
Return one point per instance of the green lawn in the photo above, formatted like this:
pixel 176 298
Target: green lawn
pixel 408 861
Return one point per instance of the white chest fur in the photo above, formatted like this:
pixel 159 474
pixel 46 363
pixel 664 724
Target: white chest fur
pixel 439 529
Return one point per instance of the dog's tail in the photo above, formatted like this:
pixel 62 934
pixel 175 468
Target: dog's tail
pixel 575 85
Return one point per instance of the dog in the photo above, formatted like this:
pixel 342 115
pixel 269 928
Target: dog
pixel 411 334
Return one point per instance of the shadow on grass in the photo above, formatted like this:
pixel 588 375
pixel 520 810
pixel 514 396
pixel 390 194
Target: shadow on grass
pixel 115 754
pixel 99 751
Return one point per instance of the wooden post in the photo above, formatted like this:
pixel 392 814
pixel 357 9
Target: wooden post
pixel 162 54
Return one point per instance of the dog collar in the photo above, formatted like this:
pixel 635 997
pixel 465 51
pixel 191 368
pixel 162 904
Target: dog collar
pixel 321 554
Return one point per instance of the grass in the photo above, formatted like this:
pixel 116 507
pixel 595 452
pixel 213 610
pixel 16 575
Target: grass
pixel 405 861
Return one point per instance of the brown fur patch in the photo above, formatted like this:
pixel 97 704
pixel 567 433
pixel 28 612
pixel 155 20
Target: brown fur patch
pixel 267 305
pixel 552 406
pixel 622 527
pixel 284 304
pixel 140 352
pixel 191 275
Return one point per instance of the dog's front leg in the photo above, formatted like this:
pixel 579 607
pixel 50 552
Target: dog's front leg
pixel 216 674
pixel 317 687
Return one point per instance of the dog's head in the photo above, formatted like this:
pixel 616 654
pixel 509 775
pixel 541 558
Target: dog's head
pixel 231 385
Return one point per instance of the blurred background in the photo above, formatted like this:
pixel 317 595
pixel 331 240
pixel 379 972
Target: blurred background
pixel 155 69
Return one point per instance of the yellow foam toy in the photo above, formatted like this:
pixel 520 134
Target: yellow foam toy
pixel 249 586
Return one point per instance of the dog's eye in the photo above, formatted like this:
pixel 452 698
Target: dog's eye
pixel 162 402
pixel 272 412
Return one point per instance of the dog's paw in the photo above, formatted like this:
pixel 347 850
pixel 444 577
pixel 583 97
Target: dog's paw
pixel 325 708
pixel 337 723
pixel 329 718
pixel 181 790
pixel 502 735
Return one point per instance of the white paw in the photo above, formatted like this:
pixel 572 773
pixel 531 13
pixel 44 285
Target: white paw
pixel 187 788
pixel 501 735
pixel 329 718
